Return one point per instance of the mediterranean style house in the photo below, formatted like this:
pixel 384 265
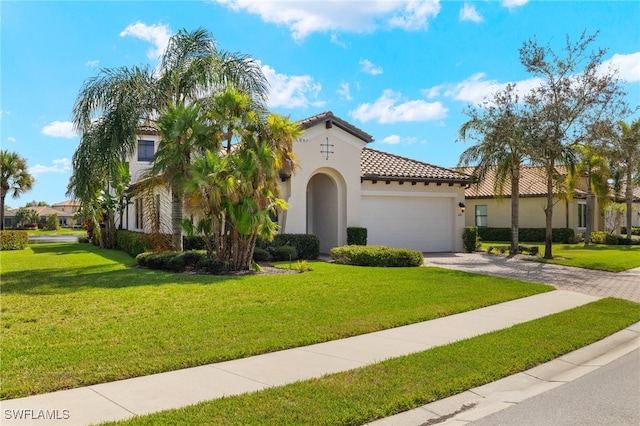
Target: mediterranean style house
pixel 342 183
pixel 484 208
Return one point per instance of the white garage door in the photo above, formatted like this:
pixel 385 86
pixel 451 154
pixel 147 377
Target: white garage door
pixel 419 223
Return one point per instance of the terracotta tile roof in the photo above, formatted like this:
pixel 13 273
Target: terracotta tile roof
pixel 43 211
pixel 381 165
pixel 533 183
pixel 72 203
pixel 328 117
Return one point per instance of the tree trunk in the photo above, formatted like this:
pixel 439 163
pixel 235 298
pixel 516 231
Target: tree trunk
pixel 548 212
pixel 176 218
pixel 515 210
pixel 629 200
pixel 2 212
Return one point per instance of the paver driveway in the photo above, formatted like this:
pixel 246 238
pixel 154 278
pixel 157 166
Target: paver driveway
pixel 623 285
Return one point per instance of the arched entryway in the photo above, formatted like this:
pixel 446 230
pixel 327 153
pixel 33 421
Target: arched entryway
pixel 326 208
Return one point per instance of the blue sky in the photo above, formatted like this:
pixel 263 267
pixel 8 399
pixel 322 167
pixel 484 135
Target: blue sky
pixel 403 71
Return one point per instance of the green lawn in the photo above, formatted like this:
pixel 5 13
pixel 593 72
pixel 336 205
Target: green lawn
pixel 74 315
pixel 399 384
pixel 61 231
pixel 595 256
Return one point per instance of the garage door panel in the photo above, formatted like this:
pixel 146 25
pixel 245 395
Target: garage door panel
pixel 419 223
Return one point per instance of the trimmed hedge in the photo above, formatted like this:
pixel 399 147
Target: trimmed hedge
pixel 635 230
pixel 357 235
pixel 285 253
pixel 14 240
pixel 307 245
pixel 376 256
pixel 132 243
pixel 526 235
pixel 532 250
pixel 470 239
pixel 180 261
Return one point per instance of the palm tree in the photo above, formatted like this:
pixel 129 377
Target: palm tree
pixel 627 147
pixel 191 69
pixel 14 178
pixel 501 131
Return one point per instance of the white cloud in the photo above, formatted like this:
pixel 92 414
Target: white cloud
pixel 157 34
pixel 370 68
pixel 628 66
pixel 92 64
pixel 387 109
pixel 62 165
pixel 293 91
pixel 476 89
pixel 306 17
pixel 11 139
pixel 415 14
pixel 4 112
pixel 335 39
pixel 469 13
pixel 59 129
pixel 510 4
pixel 344 91
pixel 392 139
pixel 433 92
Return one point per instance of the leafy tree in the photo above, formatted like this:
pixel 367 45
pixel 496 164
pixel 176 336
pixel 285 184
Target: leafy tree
pixel 52 222
pixel 626 148
pixel 15 178
pixel 35 203
pixel 27 216
pixel 191 69
pixel 575 91
pixel 502 131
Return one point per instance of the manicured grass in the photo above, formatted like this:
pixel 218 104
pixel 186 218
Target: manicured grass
pixel 595 256
pixel 74 315
pixel 380 390
pixel 61 231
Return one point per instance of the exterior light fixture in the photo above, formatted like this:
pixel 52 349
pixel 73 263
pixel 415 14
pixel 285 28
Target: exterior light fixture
pixel 462 206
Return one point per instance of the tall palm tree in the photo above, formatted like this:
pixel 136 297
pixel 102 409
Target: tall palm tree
pixel 627 147
pixel 191 69
pixel 501 131
pixel 15 178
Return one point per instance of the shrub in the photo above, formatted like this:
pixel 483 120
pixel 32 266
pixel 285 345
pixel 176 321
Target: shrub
pixel 261 255
pixel 602 237
pixel 212 266
pixel 307 245
pixel 526 235
pixel 357 236
pixel 13 240
pixel 132 243
pixel 83 240
pixel 635 230
pixel 141 259
pixel 194 242
pixel 532 250
pixel 52 222
pixel 285 253
pixel 376 256
pixel 470 239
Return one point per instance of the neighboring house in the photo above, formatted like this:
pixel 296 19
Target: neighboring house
pixel 484 208
pixel 635 209
pixel 342 183
pixel 69 207
pixel 64 218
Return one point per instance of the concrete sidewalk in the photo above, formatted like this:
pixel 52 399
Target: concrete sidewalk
pixel 143 395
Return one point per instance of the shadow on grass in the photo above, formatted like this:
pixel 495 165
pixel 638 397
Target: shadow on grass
pixel 118 273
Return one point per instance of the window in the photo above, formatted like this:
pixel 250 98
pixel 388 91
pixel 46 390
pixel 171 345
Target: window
pixel 481 215
pixel 145 150
pixel 139 213
pixel 582 215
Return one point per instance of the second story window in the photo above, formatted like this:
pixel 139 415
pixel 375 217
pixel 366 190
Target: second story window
pixel 145 150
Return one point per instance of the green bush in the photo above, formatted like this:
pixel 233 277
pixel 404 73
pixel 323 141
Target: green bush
pixel 52 222
pixel 532 250
pixel 212 266
pixel 194 242
pixel 526 235
pixel 132 243
pixel 307 245
pixel 357 235
pixel 13 240
pixel 635 230
pixel 376 256
pixel 285 253
pixel 261 255
pixel 470 239
pixel 602 237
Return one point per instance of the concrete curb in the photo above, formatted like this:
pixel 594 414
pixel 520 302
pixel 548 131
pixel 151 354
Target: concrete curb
pixel 482 401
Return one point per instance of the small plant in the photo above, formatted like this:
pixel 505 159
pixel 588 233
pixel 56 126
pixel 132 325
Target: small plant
pixel 470 239
pixel 302 266
pixel 357 235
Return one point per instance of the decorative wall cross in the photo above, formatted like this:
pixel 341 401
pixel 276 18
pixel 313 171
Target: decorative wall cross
pixel 326 149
